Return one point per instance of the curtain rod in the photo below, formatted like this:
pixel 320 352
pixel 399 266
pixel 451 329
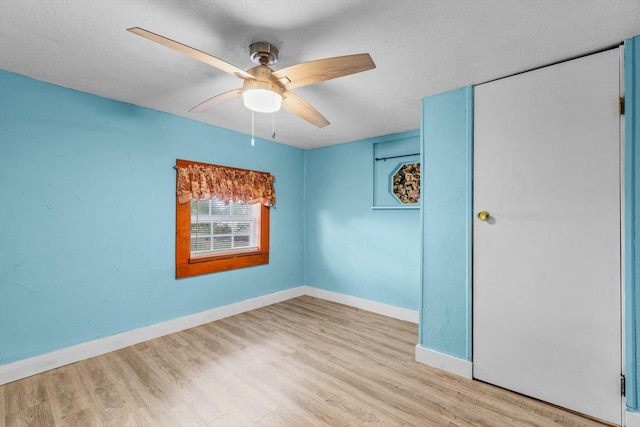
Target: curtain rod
pixel 377 158
pixel 395 157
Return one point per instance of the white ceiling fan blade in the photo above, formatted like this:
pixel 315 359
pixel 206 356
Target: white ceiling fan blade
pixel 194 53
pixel 303 109
pixel 213 101
pixel 323 69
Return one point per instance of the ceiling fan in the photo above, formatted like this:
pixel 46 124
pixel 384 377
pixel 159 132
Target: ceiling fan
pixel 265 90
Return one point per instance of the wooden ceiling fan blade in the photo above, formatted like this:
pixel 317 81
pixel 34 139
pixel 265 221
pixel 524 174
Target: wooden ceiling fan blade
pixel 194 53
pixel 303 109
pixel 323 69
pixel 218 99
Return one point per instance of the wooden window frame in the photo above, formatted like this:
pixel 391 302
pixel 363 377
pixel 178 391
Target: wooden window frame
pixel 188 267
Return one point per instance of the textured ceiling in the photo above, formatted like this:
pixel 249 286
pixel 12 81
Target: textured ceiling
pixel 420 47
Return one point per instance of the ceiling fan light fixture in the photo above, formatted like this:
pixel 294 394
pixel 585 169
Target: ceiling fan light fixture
pixel 262 100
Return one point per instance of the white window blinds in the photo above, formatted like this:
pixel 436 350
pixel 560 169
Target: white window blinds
pixel 218 228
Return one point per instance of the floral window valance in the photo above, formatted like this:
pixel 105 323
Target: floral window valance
pixel 203 182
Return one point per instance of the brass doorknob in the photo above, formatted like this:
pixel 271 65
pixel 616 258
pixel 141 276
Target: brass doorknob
pixel 483 215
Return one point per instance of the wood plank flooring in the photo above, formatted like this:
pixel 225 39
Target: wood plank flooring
pixel 302 362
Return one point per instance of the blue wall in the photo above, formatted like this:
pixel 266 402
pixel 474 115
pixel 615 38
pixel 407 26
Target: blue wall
pixel 632 219
pixel 445 316
pixel 349 247
pixel 87 217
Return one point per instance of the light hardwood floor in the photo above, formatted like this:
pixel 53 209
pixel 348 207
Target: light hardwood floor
pixel 302 362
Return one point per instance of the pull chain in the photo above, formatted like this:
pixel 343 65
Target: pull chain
pixel 273 125
pixel 253 141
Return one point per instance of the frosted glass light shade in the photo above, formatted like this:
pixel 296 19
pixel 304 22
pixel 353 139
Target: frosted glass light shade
pixel 262 100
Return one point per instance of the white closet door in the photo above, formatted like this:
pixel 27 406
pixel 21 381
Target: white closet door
pixel 546 272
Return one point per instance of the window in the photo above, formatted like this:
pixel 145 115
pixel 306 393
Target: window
pixel 212 235
pixel 218 228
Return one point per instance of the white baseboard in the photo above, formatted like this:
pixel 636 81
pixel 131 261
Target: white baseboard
pixel 451 364
pixel 633 419
pixel 34 365
pixel 365 304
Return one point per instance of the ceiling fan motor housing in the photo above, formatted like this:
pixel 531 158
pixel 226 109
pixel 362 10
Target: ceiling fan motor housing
pixel 263 94
pixel 263 80
pixel 263 53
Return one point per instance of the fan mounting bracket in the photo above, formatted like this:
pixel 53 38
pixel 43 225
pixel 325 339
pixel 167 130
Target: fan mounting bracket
pixel 263 53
